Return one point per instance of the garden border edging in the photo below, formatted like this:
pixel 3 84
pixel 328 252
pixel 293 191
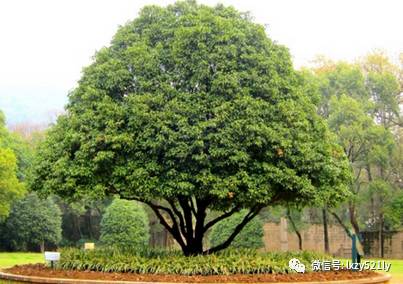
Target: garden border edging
pixel 381 278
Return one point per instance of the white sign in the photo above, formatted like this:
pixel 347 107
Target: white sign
pixel 52 256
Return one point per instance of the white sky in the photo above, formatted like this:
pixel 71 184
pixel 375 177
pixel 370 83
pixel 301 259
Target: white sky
pixel 45 43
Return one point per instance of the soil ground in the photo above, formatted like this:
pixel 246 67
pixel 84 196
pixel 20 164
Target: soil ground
pixel 43 271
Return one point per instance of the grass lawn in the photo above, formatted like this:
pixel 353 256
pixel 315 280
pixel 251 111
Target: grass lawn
pixel 396 268
pixel 13 258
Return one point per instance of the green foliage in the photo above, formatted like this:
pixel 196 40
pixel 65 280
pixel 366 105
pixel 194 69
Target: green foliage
pixel 125 224
pixel 33 222
pixel 361 103
pixel 388 203
pixel 384 90
pixel 337 79
pixel 226 262
pixel 10 186
pixel 191 100
pixel 362 140
pixel 394 211
pixel 297 218
pixel 81 220
pixel 250 237
pixel 22 149
pixel 194 103
pixel 310 85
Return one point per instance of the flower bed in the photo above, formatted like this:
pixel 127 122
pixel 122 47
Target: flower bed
pixel 32 272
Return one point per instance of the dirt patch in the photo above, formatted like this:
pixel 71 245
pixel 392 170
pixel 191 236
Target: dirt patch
pixel 40 270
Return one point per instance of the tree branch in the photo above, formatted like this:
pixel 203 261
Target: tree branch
pixel 193 207
pixel 180 216
pixel 294 227
pixel 341 223
pixel 174 230
pixel 187 213
pixel 252 213
pixel 218 219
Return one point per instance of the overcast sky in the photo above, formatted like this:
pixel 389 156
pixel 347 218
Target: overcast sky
pixel 45 43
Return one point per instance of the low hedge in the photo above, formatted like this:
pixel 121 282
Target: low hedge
pixel 172 262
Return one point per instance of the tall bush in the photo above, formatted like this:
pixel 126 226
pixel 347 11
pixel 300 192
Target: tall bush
pixel 33 223
pixel 125 224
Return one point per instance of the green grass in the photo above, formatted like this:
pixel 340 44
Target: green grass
pixel 8 259
pixel 396 269
pixel 397 266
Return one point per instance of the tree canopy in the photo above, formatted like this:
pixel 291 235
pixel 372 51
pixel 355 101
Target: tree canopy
pixel 191 109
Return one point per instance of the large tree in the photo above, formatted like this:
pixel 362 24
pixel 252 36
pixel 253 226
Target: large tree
pixel 192 109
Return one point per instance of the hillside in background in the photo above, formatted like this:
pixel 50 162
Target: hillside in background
pixel 38 105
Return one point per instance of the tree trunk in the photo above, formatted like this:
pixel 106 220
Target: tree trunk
pixel 372 196
pixel 186 223
pixel 338 219
pixel 76 222
pixel 90 224
pixel 325 230
pixel 353 218
pixel 381 240
pixel 294 227
pixel 42 246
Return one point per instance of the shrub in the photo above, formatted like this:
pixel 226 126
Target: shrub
pixel 32 223
pixel 125 224
pixel 250 237
pixel 173 262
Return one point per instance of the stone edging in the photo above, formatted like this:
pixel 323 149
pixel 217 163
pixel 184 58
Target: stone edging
pixel 382 278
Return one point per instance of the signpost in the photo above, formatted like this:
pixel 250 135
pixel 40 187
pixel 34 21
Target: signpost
pixel 52 257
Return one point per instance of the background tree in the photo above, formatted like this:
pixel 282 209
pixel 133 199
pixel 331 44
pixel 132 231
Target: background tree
pixel 385 88
pixel 333 80
pixel 192 109
pixel 10 187
pixel 22 148
pixel 125 224
pixel 33 223
pixel 359 137
pixel 362 108
pixel 250 237
pixel 81 220
pixel 295 217
pixel 394 211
